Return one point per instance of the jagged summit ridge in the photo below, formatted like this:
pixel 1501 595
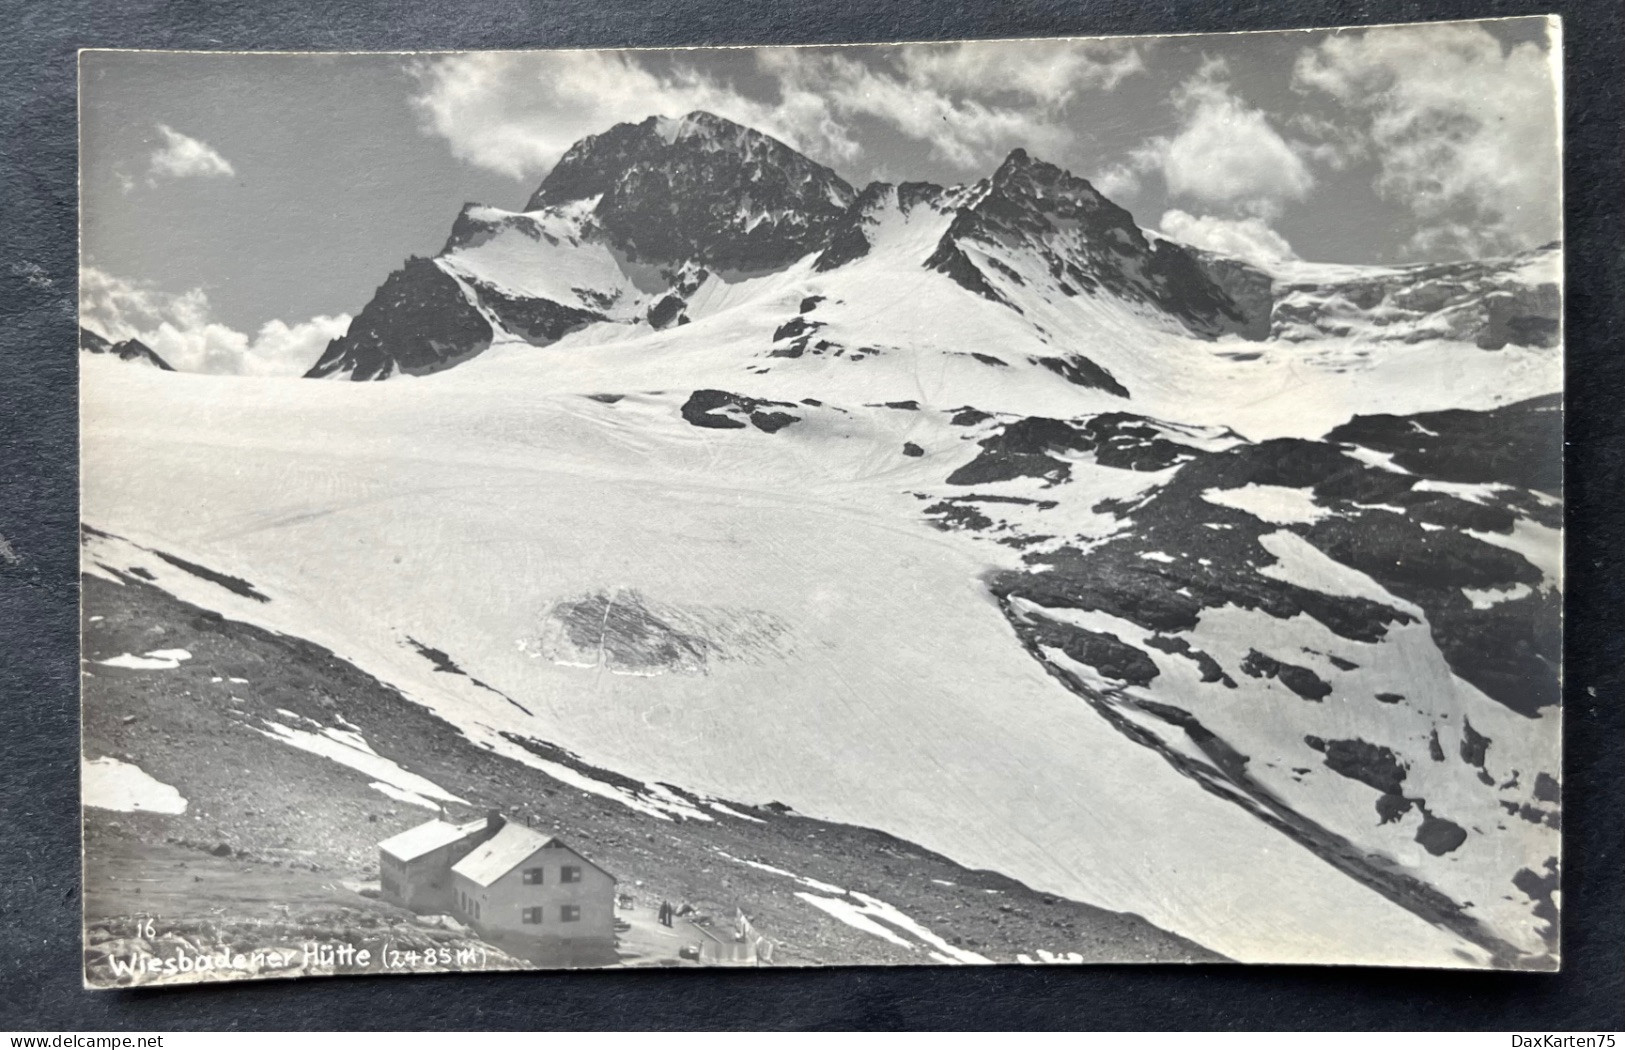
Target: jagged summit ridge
pixel 133 350
pixel 701 188
pixel 654 224
pixel 1087 244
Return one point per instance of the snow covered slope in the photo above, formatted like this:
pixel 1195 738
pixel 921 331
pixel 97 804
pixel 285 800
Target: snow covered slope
pixel 894 697
pixel 1364 653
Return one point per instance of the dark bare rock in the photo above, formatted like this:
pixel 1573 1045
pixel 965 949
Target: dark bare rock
pixel 1299 679
pixel 1029 446
pixel 443 664
pixel 1439 836
pixel 951 515
pixel 1106 653
pixel 535 320
pixel 722 410
pixel 92 343
pixel 419 322
pixel 1520 444
pixel 911 449
pixel 671 190
pixel 125 350
pixel 1541 887
pixel 1086 243
pixel 772 422
pixel 1232 762
pixel 666 312
pixel 235 584
pixel 1510 650
pixel 1080 371
pixel 1025 448
pixel 793 327
pixel 1371 764
pixel 1209 667
pixel 1475 746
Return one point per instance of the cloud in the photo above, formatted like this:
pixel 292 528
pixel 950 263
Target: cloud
pixel 516 113
pixel 1462 128
pixel 184 157
pixel 1126 178
pixel 180 330
pixel 1044 72
pixel 1248 238
pixel 964 131
pixel 1227 155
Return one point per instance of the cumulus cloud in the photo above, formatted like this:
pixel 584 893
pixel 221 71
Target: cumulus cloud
pixel 184 157
pixel 1119 181
pixel 180 330
pixel 1228 160
pixel 1248 238
pixel 1044 72
pixel 1227 154
pixel 1462 128
pixel 961 129
pixel 516 113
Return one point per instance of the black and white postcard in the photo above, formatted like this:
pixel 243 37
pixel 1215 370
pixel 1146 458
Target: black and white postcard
pixel 995 502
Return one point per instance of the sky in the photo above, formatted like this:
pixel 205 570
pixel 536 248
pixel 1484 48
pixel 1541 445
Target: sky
pixel 237 209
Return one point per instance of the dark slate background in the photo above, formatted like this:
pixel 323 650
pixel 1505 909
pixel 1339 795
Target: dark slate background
pixel 39 841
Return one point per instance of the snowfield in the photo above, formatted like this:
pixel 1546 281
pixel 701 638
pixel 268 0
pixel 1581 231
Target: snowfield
pixel 107 783
pixel 898 700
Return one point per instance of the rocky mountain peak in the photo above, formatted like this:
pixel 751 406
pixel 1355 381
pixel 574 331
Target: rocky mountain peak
pixel 125 350
pixel 1089 245
pixel 700 187
pixel 1028 193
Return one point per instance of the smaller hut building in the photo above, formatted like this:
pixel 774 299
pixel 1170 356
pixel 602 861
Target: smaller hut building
pixel 414 867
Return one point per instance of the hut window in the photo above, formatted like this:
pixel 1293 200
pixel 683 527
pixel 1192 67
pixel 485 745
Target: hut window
pixel 533 877
pixel 570 873
pixel 569 913
pixel 532 916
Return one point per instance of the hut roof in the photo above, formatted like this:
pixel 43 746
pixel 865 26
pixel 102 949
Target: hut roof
pixel 426 838
pixel 506 850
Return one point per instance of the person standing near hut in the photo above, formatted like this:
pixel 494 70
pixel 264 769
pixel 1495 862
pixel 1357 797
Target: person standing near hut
pixel 665 913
